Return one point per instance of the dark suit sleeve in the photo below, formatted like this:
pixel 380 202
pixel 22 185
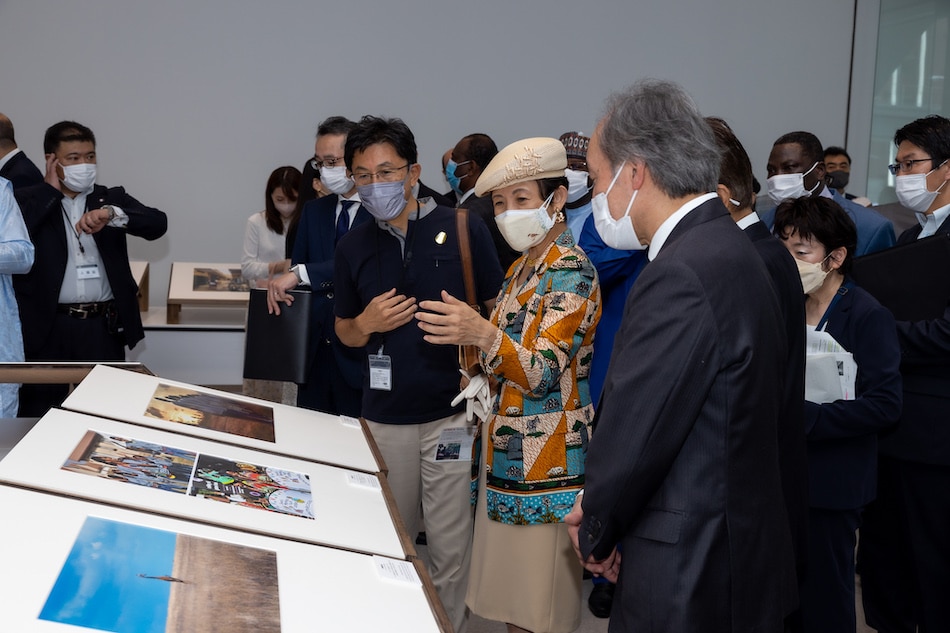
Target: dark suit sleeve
pixel 654 392
pixel 145 222
pixel 37 204
pixel 878 402
pixel 305 246
pixel 925 342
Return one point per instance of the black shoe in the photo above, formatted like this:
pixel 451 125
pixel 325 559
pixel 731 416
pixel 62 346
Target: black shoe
pixel 421 539
pixel 601 599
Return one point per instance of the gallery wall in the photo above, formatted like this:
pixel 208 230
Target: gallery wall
pixel 194 103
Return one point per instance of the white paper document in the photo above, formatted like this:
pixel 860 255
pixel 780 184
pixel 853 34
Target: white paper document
pixel 455 445
pixel 830 370
pixel 396 570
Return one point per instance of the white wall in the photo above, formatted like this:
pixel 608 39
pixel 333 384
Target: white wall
pixel 194 103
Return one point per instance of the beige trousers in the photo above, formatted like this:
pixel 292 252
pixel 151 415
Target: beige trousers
pixel 443 488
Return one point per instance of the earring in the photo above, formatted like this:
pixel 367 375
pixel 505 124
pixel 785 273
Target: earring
pixel 558 216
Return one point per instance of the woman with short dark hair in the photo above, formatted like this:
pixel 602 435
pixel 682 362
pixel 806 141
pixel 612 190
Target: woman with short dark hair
pixel 842 433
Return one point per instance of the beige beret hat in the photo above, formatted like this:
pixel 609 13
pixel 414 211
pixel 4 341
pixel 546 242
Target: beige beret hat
pixel 528 159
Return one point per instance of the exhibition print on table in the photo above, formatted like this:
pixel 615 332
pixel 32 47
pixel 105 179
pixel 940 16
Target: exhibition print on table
pixel 133 579
pixel 193 474
pixel 217 280
pixel 212 411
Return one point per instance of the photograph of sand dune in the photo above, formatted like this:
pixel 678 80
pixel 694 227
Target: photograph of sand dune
pixel 128 578
pixel 212 411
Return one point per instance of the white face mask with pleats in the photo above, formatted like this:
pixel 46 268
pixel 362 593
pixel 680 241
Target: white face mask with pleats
pixel 912 190
pixel 524 228
pixel 619 233
pixel 790 186
pixel 79 177
pixel 335 179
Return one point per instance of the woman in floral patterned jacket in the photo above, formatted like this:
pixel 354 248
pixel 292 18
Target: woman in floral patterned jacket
pixel 538 346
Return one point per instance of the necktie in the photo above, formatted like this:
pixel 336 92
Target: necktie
pixel 343 222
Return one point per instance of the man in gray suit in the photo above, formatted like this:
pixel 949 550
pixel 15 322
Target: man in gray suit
pixel 682 469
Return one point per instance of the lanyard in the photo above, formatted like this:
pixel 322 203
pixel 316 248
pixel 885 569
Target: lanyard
pixel 842 291
pixel 74 230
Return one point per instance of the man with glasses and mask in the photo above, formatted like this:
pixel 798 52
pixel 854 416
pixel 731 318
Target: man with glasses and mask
pixel 796 168
pixel 335 376
pixel 904 552
pixel 79 302
pixel 384 268
pixel 682 468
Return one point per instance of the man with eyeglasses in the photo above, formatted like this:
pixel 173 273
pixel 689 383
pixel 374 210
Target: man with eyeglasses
pixel 334 378
pixel 384 268
pixel 904 553
pixel 796 168
pixel 469 157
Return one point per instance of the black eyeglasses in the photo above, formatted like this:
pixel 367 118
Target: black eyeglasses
pixel 905 165
pixel 390 174
pixel 318 163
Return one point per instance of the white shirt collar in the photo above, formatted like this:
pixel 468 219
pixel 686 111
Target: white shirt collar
pixel 466 196
pixel 6 159
pixel 930 222
pixel 662 233
pixel 747 221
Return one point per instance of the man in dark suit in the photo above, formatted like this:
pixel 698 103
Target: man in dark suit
pixel 335 376
pixel 469 157
pixel 683 468
pixel 796 168
pixel 735 192
pixel 78 303
pixel 14 165
pixel 904 557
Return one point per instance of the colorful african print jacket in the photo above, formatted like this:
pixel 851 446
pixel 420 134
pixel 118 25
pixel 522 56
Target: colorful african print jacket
pixel 538 434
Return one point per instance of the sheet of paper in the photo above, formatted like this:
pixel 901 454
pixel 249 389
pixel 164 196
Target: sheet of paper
pixel 396 570
pixel 455 445
pixel 830 370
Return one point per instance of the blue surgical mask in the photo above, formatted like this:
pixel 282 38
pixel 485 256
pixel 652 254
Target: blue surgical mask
pixel 454 181
pixel 384 200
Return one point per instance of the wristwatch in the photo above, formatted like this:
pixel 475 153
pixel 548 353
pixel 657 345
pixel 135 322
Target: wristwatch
pixel 111 211
pixel 295 269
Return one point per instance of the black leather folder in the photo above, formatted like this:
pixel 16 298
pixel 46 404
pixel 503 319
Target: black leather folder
pixel 911 280
pixel 275 347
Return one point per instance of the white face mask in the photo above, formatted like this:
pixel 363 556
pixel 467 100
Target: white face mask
pixel 811 274
pixel 285 209
pixel 335 179
pixel 618 234
pixel 790 186
pixel 912 191
pixel 524 228
pixel 79 177
pixel 577 185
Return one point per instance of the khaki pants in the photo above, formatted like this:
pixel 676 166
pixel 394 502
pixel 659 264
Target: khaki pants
pixel 443 488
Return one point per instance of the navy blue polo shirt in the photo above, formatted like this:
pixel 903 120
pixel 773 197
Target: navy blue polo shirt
pixel 369 261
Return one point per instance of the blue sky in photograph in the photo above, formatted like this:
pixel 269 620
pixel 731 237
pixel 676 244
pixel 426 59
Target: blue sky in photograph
pixel 99 587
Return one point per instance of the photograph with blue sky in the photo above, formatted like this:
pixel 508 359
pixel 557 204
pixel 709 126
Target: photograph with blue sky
pixel 130 578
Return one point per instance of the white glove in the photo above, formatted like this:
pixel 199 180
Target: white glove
pixel 477 396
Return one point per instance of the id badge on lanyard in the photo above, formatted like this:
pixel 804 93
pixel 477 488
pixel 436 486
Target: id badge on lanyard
pixel 380 371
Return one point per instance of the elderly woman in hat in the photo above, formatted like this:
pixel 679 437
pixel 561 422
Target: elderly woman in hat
pixel 537 345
